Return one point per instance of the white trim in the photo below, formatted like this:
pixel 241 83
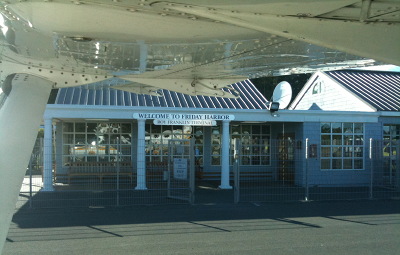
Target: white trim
pixel 122 112
pixel 342 145
pixel 389 114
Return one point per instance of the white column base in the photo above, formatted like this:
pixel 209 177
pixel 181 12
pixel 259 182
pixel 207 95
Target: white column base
pixel 143 187
pixel 225 187
pixel 46 189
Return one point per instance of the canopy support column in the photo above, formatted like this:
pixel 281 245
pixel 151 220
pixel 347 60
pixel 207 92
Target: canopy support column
pixel 141 157
pixel 225 156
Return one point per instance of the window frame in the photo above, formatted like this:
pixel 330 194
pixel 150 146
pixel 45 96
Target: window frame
pixel 157 137
pixel 74 136
pixel 254 143
pixel 342 146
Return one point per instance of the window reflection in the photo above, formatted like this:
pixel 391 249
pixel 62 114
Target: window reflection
pixel 255 143
pixel 96 142
pixel 342 145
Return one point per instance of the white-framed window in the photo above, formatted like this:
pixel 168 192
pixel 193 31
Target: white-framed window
pixel 216 145
pixel 157 137
pixel 342 146
pixel 391 139
pixel 391 136
pixel 198 133
pixel 96 141
pixel 255 142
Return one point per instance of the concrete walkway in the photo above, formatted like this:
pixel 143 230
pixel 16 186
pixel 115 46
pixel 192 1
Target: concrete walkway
pixel 343 227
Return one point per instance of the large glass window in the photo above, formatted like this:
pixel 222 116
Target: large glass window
pixel 342 146
pixel 198 133
pixel 157 137
pixel 255 143
pixel 96 142
pixel 216 145
pixel 391 138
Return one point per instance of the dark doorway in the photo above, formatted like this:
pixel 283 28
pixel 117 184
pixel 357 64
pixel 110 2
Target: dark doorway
pixel 286 161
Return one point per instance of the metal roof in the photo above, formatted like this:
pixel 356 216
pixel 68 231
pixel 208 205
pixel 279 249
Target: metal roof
pixel 379 89
pixel 250 98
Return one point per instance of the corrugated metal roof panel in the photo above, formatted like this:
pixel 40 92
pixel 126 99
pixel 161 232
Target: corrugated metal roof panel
pixel 379 89
pixel 250 98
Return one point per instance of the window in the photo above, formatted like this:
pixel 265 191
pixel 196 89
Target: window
pixel 96 142
pixel 391 134
pixel 199 143
pixel 255 142
pixel 216 145
pixel 342 146
pixel 391 137
pixel 157 137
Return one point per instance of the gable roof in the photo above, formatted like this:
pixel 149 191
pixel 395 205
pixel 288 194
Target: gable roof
pixel 250 98
pixel 379 89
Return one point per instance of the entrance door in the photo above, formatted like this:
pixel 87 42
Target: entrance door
pixel 286 166
pixel 181 166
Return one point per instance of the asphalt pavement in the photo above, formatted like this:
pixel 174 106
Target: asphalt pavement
pixel 329 227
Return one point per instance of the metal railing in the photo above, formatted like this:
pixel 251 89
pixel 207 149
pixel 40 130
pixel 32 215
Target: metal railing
pixel 100 184
pixel 116 188
pixel 297 176
pixel 294 174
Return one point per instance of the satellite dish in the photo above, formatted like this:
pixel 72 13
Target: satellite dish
pixel 282 94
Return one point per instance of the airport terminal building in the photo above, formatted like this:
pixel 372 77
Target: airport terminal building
pixel 328 129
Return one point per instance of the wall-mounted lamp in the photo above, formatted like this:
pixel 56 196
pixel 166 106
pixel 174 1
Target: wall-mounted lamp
pixel 273 106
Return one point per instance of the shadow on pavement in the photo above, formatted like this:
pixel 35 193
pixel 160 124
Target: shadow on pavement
pixel 76 223
pixel 214 211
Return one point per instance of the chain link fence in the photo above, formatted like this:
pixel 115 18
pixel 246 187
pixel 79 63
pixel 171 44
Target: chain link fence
pixel 299 171
pixel 100 184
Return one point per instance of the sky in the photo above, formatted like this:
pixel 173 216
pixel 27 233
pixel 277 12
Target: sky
pixel 391 68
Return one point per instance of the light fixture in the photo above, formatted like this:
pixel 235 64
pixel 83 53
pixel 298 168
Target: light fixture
pixel 273 106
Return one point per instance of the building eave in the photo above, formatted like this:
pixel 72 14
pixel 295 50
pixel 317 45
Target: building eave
pixel 260 115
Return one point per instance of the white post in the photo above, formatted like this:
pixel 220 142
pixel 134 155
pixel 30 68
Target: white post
pixel 20 118
pixel 371 181
pixel 48 156
pixel 225 156
pixel 306 173
pixel 141 157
